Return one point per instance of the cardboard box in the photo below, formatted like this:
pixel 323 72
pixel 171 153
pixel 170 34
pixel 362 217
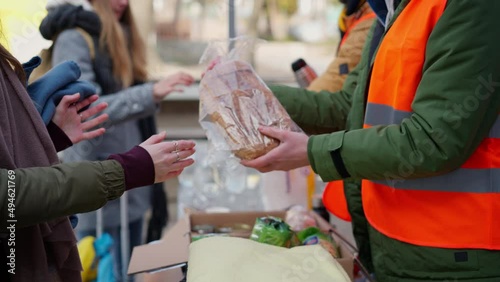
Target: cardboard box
pixel 172 251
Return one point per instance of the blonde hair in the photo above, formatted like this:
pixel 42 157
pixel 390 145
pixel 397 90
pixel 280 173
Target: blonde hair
pixel 128 57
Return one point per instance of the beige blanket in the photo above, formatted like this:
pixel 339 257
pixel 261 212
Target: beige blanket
pixel 226 259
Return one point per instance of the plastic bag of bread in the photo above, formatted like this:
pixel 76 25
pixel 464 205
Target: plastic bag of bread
pixel 234 102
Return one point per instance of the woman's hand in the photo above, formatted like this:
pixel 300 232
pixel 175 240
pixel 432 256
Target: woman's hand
pixel 72 123
pixel 291 152
pixel 170 84
pixel 169 158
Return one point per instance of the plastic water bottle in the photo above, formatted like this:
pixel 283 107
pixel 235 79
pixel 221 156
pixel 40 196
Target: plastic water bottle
pixel 304 74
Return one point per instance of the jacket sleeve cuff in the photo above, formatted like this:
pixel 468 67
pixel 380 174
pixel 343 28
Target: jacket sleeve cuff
pixel 148 92
pixel 114 179
pixel 59 138
pixel 324 153
pixel 138 167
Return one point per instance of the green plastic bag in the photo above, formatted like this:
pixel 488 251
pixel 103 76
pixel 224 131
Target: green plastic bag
pixel 273 231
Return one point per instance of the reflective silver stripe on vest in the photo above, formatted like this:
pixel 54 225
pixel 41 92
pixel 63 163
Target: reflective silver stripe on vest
pixel 378 114
pixel 460 180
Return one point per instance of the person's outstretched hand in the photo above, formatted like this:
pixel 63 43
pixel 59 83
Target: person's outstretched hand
pixel 169 158
pixel 77 125
pixel 291 152
pixel 170 84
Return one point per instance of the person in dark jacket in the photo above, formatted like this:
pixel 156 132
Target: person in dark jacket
pixel 118 70
pixel 37 194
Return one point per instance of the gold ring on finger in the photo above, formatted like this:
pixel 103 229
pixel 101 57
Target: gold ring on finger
pixel 178 156
pixel 176 145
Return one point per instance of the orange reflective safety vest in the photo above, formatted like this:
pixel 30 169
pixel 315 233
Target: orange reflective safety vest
pixel 369 16
pixel 334 200
pixel 333 197
pixel 455 210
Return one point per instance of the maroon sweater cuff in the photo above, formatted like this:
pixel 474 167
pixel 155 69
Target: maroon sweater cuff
pixel 59 138
pixel 138 167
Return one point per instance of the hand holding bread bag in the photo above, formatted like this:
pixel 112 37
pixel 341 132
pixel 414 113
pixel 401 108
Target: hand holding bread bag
pixel 234 102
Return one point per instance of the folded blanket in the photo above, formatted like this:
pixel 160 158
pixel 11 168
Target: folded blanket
pixel 227 259
pixel 48 90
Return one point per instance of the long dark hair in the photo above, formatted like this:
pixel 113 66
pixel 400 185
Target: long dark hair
pixel 6 56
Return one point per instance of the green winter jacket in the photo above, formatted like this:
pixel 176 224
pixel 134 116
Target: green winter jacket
pixel 42 194
pixel 464 55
